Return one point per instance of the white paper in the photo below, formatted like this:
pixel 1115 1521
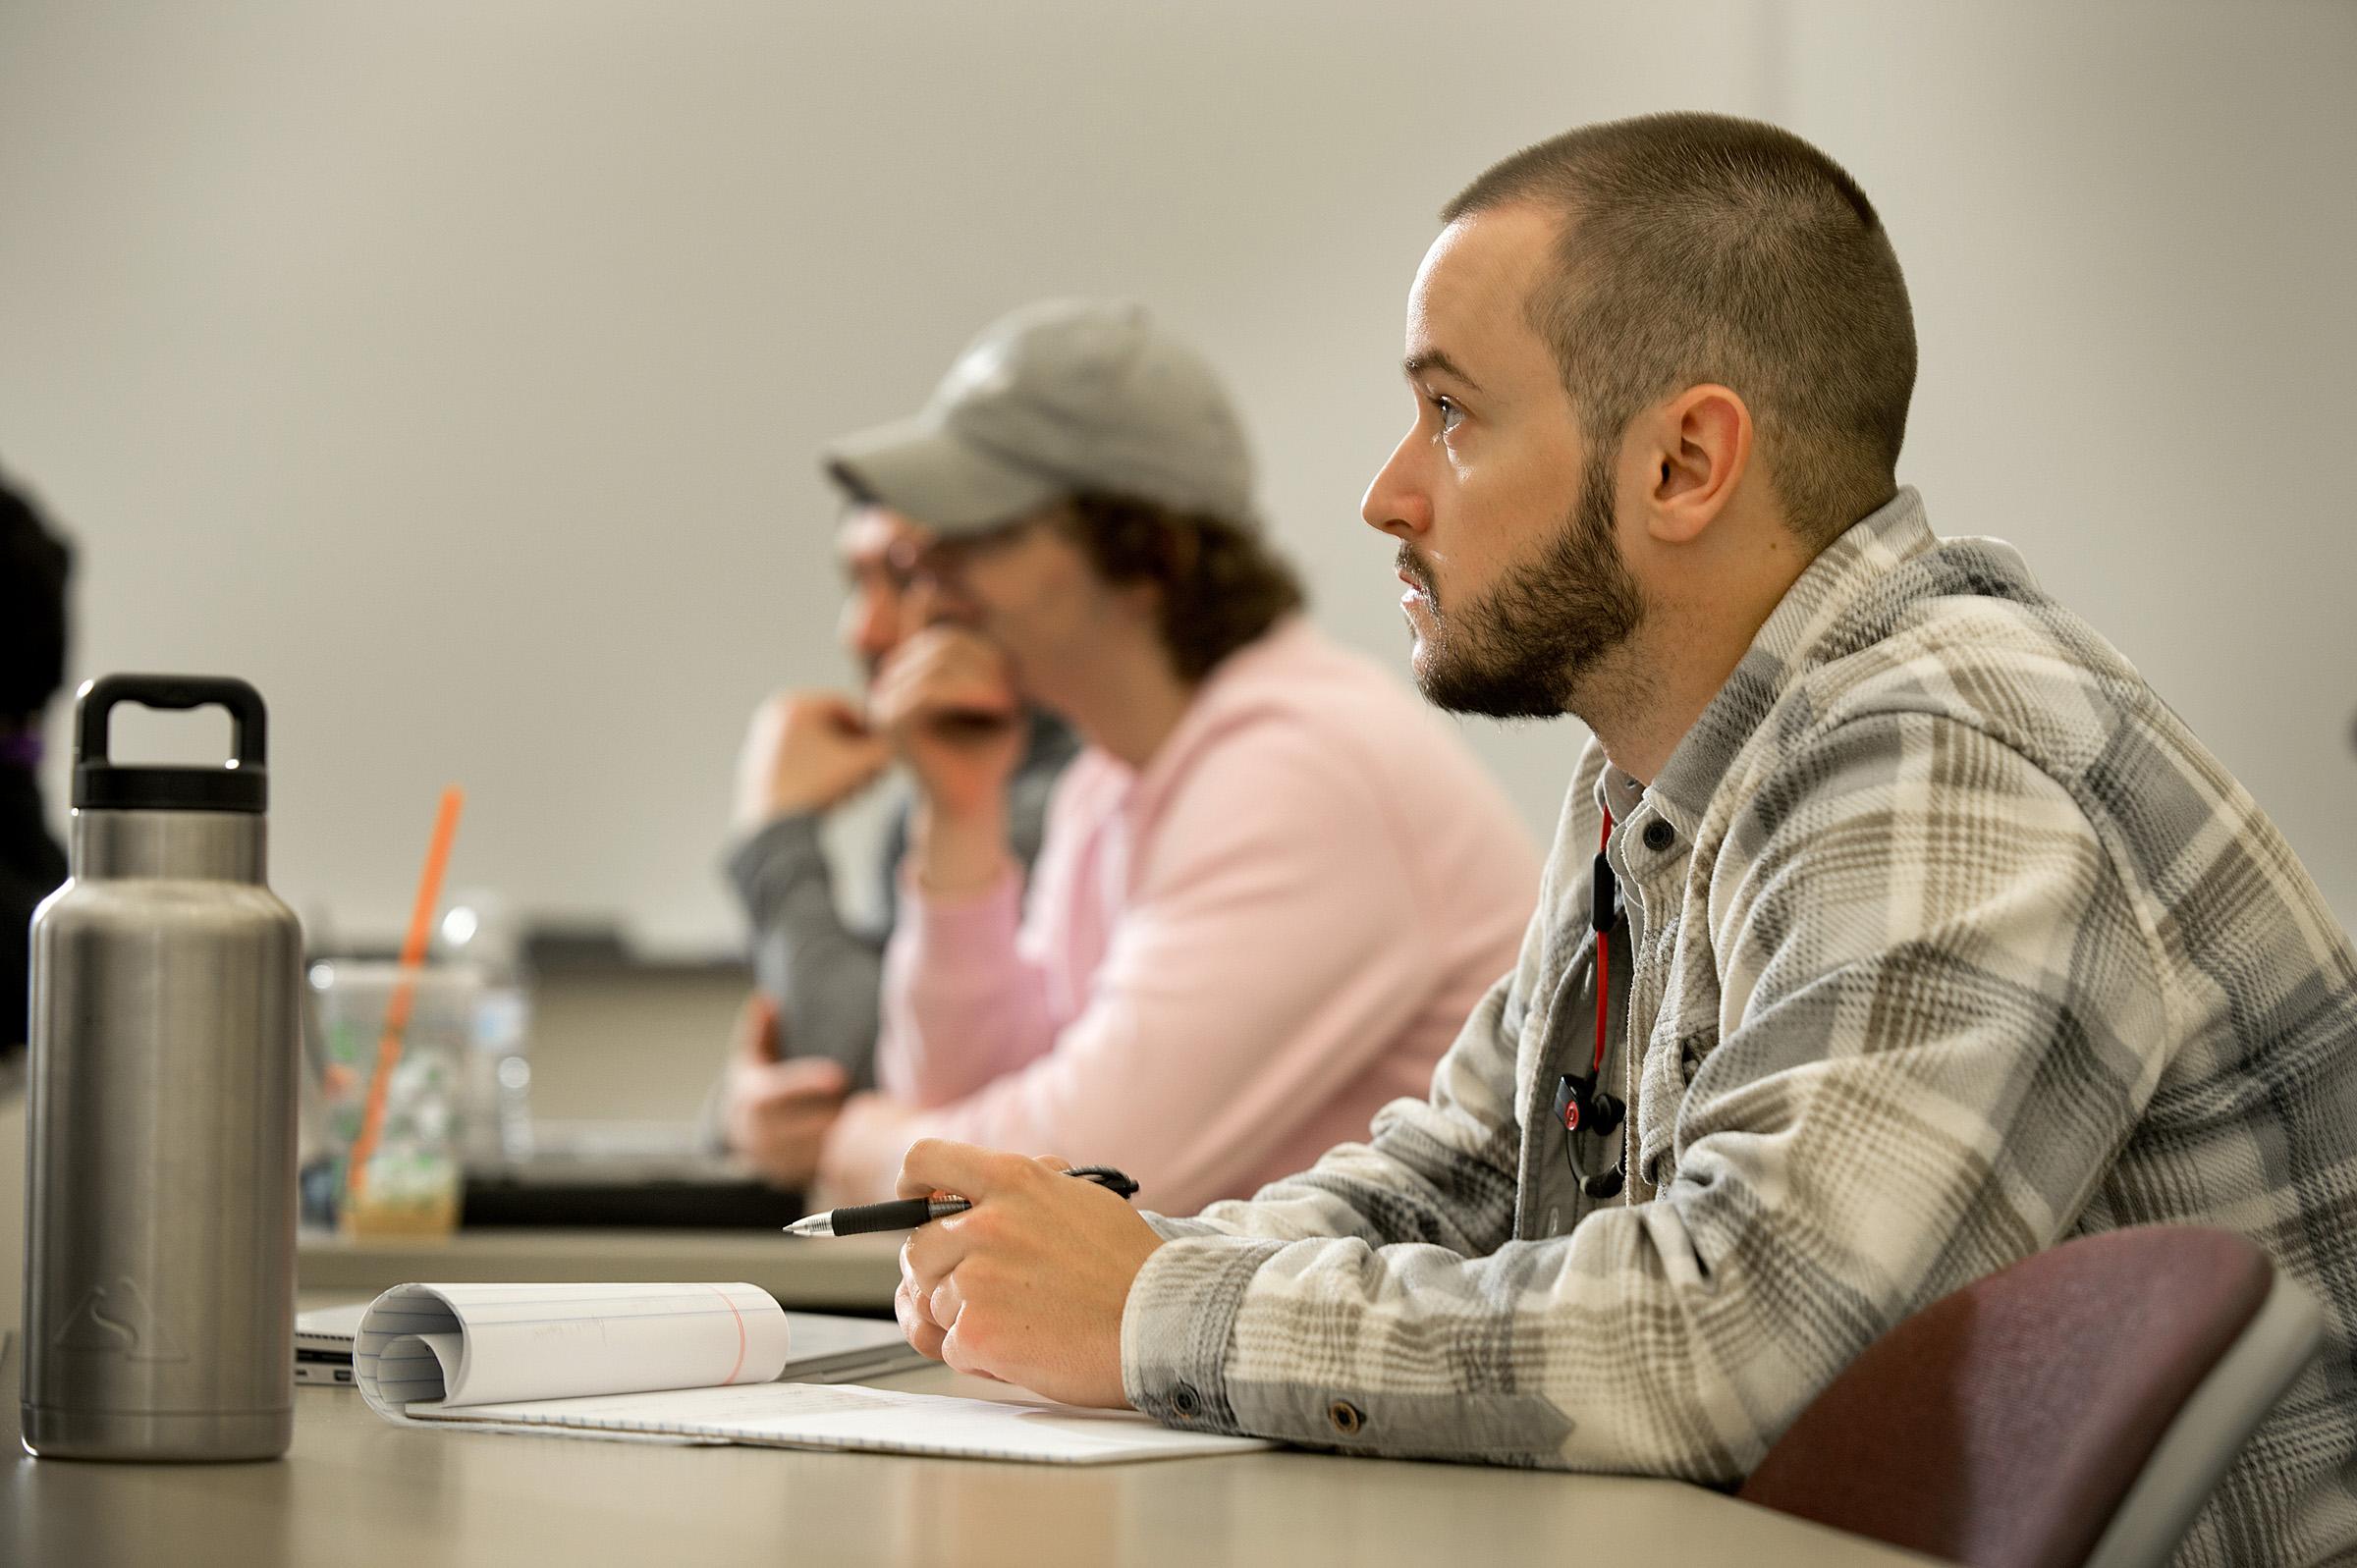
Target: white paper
pixel 875 1420
pixel 464 1344
pixel 693 1364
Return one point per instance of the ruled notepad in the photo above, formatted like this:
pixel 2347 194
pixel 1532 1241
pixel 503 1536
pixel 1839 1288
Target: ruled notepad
pixel 690 1364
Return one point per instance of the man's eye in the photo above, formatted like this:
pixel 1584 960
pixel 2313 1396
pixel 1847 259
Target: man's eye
pixel 1450 414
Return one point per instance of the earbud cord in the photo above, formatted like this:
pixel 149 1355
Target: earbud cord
pixel 1603 918
pixel 1604 950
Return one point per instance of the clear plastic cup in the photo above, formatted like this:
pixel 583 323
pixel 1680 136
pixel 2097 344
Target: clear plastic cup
pixel 414 1174
pixel 478 930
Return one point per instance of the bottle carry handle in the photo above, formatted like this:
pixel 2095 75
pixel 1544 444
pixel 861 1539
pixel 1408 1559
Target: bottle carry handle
pixel 100 784
pixel 98 700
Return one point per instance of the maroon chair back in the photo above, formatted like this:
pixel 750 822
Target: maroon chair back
pixel 2001 1425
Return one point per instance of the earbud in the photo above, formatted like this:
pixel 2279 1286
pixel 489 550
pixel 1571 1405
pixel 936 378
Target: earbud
pixel 1580 1107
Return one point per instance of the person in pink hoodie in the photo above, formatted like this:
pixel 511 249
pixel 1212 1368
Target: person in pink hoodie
pixel 1273 882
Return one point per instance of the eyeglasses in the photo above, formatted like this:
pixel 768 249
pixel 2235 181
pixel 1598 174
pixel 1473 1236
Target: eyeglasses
pixel 925 557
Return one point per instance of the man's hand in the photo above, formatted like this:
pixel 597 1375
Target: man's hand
pixel 776 1114
pixel 1029 1285
pixel 804 751
pixel 946 700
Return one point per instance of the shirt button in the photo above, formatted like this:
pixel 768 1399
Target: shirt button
pixel 1345 1417
pixel 1184 1401
pixel 1659 836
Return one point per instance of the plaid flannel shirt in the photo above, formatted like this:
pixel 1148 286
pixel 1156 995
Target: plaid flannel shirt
pixel 1943 940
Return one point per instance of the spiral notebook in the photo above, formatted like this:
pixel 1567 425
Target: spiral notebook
pixel 690 1364
pixel 825 1347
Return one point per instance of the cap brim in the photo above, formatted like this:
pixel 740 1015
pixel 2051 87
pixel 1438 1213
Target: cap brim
pixel 919 469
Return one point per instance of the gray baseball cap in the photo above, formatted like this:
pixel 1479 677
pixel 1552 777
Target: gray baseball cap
pixel 1062 397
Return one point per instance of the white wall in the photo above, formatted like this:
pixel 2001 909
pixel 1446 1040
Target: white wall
pixel 452 371
pixel 2130 233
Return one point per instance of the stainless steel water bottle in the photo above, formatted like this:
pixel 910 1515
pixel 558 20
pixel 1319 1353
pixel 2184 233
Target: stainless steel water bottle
pixel 159 1278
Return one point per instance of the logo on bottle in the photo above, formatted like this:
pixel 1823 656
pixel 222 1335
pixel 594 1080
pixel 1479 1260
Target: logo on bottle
pixel 117 1319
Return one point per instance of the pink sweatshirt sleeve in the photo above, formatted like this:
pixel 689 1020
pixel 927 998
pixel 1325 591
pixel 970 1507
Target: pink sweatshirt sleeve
pixel 1270 952
pixel 961 1004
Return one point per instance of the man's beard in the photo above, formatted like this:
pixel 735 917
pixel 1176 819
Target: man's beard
pixel 1518 651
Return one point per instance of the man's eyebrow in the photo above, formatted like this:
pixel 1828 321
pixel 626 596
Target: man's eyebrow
pixel 1424 360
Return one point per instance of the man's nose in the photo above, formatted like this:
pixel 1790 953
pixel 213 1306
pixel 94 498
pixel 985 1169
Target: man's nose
pixel 875 624
pixel 932 601
pixel 1395 503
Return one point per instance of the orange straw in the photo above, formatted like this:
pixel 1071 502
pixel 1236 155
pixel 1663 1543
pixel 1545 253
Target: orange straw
pixel 397 1010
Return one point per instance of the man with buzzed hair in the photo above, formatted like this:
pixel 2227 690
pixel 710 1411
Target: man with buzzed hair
pixel 1938 940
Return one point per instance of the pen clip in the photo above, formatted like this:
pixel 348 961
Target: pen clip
pixel 1107 1177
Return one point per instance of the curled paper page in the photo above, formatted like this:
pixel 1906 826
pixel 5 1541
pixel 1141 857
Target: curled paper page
pixel 444 1346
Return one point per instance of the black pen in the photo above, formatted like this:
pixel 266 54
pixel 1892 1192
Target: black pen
pixel 907 1214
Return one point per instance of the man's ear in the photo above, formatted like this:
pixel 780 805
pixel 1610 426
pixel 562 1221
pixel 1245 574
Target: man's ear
pixel 1698 448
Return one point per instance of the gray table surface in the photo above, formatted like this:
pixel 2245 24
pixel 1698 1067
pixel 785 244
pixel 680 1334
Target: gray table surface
pixel 359 1493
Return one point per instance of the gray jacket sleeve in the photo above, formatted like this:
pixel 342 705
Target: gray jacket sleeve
pixel 825 974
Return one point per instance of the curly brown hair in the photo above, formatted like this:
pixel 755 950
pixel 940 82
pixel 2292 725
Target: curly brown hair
pixel 1221 584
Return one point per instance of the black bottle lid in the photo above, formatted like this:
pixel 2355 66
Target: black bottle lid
pixel 104 784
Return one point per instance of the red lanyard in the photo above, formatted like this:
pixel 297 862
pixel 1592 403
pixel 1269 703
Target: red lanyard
pixel 1582 1105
